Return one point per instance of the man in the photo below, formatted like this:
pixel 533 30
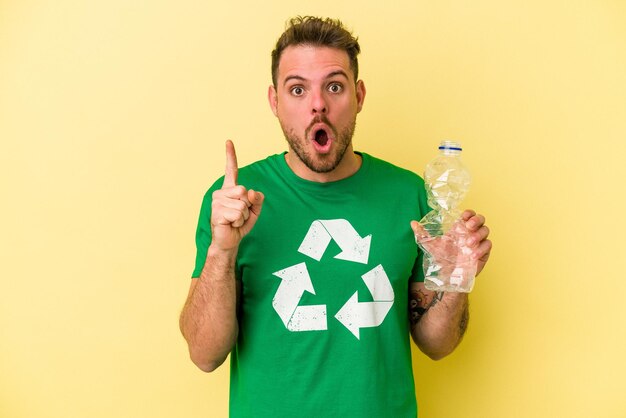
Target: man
pixel 307 270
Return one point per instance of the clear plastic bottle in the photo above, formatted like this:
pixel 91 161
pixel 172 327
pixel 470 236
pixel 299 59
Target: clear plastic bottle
pixel 448 266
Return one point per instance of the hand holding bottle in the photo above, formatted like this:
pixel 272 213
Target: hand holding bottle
pixel 447 237
pixel 459 255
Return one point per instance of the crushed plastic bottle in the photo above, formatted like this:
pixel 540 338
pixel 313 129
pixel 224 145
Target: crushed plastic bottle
pixel 448 266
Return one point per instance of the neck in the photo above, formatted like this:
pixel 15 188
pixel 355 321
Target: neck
pixel 349 164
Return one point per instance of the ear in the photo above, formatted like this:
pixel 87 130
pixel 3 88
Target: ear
pixel 360 94
pixel 272 97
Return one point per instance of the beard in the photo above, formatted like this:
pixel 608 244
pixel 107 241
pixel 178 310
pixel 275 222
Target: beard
pixel 321 163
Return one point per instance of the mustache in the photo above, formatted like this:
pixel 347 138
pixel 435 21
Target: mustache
pixel 320 119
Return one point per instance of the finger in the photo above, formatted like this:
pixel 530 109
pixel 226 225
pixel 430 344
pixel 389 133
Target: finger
pixel 236 192
pixel 475 222
pixel 238 205
pixel 238 222
pixel 483 251
pixel 478 236
pixel 232 217
pixel 467 214
pixel 230 178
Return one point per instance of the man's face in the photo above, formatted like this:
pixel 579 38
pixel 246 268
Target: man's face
pixel 316 101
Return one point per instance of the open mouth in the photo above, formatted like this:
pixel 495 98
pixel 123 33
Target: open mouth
pixel 321 137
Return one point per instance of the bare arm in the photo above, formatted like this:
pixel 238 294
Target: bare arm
pixel 439 320
pixel 209 318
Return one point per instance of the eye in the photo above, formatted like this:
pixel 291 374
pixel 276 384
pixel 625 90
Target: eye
pixel 335 88
pixel 297 91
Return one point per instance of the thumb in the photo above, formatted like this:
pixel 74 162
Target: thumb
pixel 421 234
pixel 256 200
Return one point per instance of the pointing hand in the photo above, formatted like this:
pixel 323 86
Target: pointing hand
pixel 234 209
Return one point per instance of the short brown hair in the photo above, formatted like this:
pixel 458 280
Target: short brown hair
pixel 310 30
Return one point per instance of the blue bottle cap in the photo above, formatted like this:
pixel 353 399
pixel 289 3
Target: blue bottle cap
pixel 450 145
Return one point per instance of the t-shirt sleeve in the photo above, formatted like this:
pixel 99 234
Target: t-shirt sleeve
pixel 417 275
pixel 203 231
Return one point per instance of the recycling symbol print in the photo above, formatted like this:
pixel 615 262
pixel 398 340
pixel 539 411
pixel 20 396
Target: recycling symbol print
pixel 295 280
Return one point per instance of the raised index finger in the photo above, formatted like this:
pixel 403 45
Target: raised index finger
pixel 230 178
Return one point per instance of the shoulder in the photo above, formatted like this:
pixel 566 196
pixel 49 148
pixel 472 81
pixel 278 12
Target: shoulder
pixel 380 167
pixel 249 175
pixel 261 173
pixel 267 164
pixel 396 185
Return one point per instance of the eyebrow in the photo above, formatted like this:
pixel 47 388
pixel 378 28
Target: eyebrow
pixel 338 72
pixel 329 75
pixel 293 77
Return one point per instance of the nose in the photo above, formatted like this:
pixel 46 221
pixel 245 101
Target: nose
pixel 318 103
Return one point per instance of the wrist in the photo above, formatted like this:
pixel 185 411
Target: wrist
pixel 219 264
pixel 227 255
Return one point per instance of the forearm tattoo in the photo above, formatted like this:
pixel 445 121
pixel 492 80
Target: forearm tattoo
pixel 464 321
pixel 420 303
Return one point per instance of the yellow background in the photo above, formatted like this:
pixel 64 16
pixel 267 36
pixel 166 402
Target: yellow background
pixel 113 116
